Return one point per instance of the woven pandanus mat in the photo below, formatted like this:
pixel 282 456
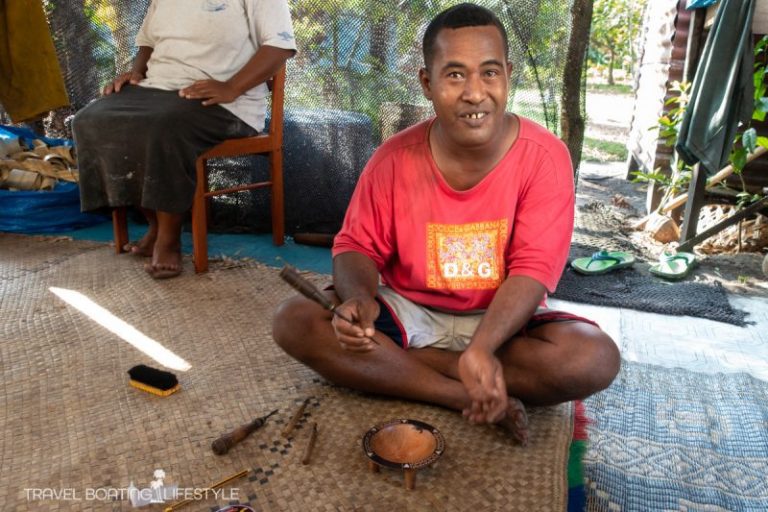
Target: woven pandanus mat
pixel 74 435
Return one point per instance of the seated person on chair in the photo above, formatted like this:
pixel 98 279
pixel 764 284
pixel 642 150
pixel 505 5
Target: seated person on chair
pixel 456 230
pixel 198 79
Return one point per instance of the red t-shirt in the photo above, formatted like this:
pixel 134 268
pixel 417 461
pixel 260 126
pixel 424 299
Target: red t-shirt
pixel 452 249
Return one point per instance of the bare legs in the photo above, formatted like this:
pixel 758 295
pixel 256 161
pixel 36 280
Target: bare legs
pixel 166 255
pixel 555 363
pixel 161 242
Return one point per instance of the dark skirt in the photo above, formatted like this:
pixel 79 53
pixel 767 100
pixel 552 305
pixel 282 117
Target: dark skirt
pixel 138 147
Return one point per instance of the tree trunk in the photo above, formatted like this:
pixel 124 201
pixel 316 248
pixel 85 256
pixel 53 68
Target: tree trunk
pixel 610 68
pixel 572 118
pixel 379 38
pixel 329 80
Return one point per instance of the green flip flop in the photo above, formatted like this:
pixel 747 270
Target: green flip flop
pixel 674 266
pixel 602 262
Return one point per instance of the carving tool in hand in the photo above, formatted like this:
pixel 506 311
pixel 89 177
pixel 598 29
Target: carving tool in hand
pixel 310 291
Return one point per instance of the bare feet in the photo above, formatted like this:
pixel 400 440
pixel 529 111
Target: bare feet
pixel 516 421
pixel 143 248
pixel 166 262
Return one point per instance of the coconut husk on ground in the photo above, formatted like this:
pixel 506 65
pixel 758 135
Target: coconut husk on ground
pixel 37 168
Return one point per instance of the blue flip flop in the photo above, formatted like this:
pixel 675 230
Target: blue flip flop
pixel 602 262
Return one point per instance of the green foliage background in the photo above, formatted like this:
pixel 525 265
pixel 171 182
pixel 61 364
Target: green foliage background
pixel 354 55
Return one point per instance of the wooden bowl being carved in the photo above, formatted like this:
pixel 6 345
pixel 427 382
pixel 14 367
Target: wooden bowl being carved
pixel 403 444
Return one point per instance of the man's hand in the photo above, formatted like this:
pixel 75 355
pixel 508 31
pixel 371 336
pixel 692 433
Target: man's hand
pixel 483 377
pixel 354 336
pixel 132 77
pixel 212 92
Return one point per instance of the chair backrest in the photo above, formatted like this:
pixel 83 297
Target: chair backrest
pixel 276 84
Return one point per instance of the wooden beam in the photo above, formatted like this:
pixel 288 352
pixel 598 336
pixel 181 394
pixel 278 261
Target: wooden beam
pixel 715 179
pixel 694 203
pixel 733 219
pixel 759 20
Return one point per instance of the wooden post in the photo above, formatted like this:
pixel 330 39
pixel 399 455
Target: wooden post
pixel 694 203
pixel 120 228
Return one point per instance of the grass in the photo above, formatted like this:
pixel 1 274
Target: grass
pixel 596 150
pixel 530 108
pixel 599 150
pixel 610 89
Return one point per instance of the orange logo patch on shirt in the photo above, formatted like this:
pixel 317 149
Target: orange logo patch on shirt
pixel 466 256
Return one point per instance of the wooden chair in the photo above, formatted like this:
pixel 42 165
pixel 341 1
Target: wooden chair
pixel 269 144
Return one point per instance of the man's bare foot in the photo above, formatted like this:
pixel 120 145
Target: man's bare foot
pixel 516 421
pixel 165 263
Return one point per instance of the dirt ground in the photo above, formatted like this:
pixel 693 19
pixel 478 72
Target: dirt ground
pixel 609 116
pixel 606 183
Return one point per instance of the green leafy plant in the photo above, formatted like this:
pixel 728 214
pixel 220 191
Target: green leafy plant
pixel 748 141
pixel 616 25
pixel 669 128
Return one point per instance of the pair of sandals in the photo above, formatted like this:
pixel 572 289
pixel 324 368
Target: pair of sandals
pixel 671 266
pixel 155 273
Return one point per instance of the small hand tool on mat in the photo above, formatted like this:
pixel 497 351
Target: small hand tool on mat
pixel 152 380
pixel 310 444
pixel 217 485
pixel 223 444
pixel 295 419
pixel 310 291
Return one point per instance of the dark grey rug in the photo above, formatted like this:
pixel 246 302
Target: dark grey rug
pixel 599 227
pixel 627 288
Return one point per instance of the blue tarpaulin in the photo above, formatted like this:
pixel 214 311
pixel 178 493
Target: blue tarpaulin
pixel 27 136
pixel 44 211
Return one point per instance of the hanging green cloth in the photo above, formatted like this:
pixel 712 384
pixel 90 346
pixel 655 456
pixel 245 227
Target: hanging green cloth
pixel 30 77
pixel 722 93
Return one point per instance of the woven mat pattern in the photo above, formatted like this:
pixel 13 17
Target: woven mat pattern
pixel 674 439
pixel 70 420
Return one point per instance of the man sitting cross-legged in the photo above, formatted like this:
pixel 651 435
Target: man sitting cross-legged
pixel 456 230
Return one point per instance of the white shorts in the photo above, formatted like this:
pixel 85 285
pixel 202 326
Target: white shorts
pixel 412 325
